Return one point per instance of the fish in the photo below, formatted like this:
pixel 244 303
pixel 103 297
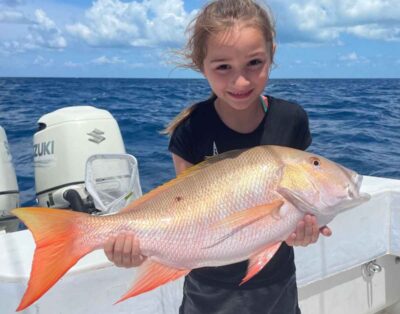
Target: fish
pixel 236 206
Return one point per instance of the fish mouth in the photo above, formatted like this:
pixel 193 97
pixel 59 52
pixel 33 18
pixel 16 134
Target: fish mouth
pixel 358 181
pixel 353 196
pixel 352 202
pixel 355 180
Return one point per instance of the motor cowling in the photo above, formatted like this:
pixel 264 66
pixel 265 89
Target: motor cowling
pixel 65 139
pixel 9 193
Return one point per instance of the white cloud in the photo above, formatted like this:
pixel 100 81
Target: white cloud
pixel 39 60
pixel 313 15
pixel 327 20
pixel 71 64
pixel 375 31
pixel 367 11
pixel 42 32
pixel 148 23
pixel 13 17
pixel 105 60
pixel 43 20
pixel 11 46
pixel 11 3
pixel 349 57
pixel 45 33
pixel 353 57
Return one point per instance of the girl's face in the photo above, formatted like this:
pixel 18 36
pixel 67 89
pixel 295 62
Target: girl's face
pixel 237 66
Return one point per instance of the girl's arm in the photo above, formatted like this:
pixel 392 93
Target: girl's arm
pixel 180 164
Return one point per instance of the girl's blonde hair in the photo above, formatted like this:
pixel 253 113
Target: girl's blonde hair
pixel 217 16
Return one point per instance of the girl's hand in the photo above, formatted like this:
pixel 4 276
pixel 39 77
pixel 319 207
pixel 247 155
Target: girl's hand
pixel 307 232
pixel 124 251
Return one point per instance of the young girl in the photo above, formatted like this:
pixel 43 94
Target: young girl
pixel 232 45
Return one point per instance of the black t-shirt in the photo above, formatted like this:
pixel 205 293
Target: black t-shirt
pixel 203 134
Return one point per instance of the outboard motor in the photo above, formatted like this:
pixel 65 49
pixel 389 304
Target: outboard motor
pixel 9 193
pixel 66 138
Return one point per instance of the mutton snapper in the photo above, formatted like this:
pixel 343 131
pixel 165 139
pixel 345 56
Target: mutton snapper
pixel 236 206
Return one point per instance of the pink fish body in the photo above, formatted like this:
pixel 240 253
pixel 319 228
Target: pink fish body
pixel 239 205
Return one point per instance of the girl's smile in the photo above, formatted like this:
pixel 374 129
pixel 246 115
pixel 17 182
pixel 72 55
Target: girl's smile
pixel 237 65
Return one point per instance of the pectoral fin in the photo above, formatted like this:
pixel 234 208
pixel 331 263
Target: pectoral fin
pixel 259 260
pixel 246 217
pixel 152 275
pixel 239 220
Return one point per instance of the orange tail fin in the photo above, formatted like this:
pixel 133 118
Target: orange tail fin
pixel 55 232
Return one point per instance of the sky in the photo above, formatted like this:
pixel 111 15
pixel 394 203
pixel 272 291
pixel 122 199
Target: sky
pixel 134 39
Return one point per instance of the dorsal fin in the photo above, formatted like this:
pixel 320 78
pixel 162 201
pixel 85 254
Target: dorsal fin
pixel 183 175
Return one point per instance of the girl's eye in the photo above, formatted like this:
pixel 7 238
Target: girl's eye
pixel 255 62
pixel 223 67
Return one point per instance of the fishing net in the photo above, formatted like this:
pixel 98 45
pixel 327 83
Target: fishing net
pixel 112 180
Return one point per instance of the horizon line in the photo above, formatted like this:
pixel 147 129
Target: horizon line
pixel 193 78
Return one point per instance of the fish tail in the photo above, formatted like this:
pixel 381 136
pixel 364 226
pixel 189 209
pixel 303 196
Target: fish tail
pixel 56 233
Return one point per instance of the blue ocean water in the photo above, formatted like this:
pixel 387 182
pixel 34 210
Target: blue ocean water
pixel 354 122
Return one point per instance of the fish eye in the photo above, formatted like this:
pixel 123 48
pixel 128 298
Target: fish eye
pixel 315 161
